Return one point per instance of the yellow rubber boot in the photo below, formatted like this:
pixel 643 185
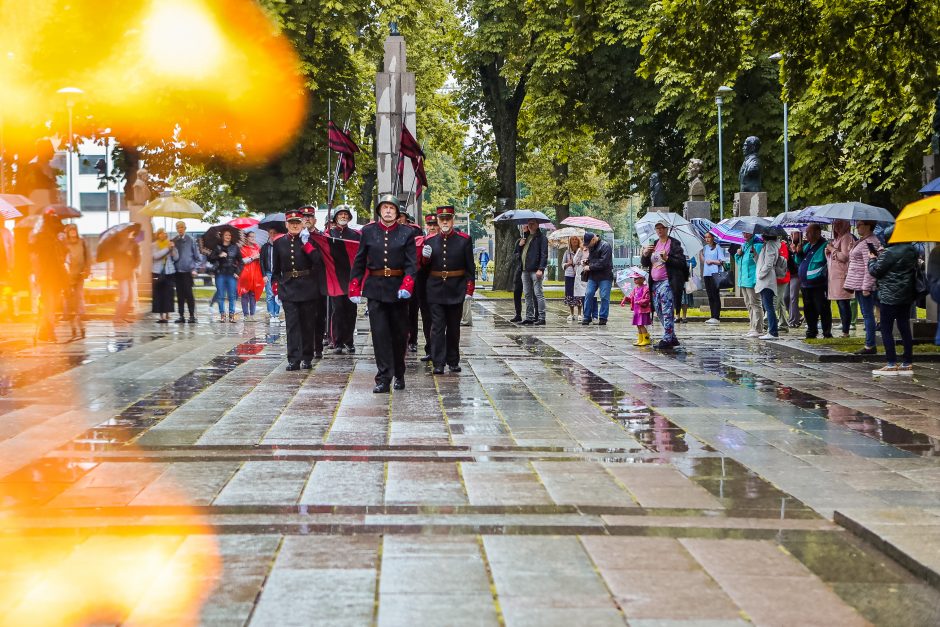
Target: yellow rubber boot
pixel 645 340
pixel 639 340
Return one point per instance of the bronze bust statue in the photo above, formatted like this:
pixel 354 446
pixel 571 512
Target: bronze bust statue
pixel 657 194
pixel 749 175
pixel 694 176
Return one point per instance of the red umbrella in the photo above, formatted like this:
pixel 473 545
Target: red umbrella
pixel 243 223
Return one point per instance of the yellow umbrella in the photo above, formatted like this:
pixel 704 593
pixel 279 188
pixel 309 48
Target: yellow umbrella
pixel 173 207
pixel 919 222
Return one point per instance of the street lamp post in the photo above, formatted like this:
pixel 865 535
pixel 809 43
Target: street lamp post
pixel 630 217
pixel 70 93
pixel 719 100
pixel 777 56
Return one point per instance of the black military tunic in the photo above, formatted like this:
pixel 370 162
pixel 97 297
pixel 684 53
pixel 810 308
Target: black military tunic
pixel 297 268
pixel 342 310
pixel 452 273
pixel 389 255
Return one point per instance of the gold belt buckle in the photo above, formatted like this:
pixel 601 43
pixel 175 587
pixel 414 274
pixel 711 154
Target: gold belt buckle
pixel 444 274
pixel 385 272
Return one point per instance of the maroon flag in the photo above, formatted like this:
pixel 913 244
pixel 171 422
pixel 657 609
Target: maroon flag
pixel 408 147
pixel 341 142
pixel 338 255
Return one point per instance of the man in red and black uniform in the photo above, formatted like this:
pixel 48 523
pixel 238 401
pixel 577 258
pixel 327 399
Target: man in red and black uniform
pixel 343 325
pixel 421 285
pixel 309 213
pixel 387 251
pixel 294 268
pixel 449 257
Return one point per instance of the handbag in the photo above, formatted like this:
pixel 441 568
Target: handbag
pixel 723 279
pixel 585 275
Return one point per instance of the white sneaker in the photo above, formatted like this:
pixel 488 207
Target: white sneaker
pixel 713 321
pixel 906 369
pixel 569 318
pixel 752 334
pixel 886 371
pixel 768 336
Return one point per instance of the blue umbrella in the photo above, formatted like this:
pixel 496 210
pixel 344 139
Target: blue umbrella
pixel 931 188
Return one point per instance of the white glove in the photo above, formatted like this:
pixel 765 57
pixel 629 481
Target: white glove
pixel 470 296
pixel 355 300
pixel 426 251
pixel 404 294
pixel 304 236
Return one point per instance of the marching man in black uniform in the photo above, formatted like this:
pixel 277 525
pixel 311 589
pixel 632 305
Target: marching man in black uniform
pixel 449 256
pixel 421 288
pixel 295 269
pixel 387 250
pixel 344 311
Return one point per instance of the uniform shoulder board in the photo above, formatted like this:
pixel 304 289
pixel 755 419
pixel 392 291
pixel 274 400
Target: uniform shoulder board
pixel 427 237
pixel 462 234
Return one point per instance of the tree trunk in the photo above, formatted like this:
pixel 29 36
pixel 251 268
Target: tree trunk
pixel 562 205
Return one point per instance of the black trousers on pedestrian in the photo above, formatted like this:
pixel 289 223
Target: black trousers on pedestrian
pixel 184 293
pixel 344 321
pixel 389 324
pixel 426 319
pixel 714 297
pixel 413 308
pixel 302 339
pixel 445 334
pixel 900 315
pixel 517 295
pixel 816 307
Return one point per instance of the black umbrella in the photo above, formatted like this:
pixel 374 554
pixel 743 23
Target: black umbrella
pixel 111 241
pixel 213 237
pixel 275 221
pixel 64 211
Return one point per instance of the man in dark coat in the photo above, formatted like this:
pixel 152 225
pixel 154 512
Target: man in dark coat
pixel 387 251
pixel 310 226
pixel 295 270
pixel 600 266
pixel 421 284
pixel 532 251
pixel 343 311
pixel 449 258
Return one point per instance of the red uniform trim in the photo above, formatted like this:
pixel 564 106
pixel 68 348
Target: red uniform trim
pixel 408 284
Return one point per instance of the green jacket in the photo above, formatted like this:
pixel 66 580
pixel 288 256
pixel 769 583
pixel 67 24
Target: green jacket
pixel 894 271
pixel 747 264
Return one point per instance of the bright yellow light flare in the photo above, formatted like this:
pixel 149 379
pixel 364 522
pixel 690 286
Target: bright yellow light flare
pixel 217 69
pixel 181 40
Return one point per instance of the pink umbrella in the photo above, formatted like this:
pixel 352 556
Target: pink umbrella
pixel 587 222
pixel 548 226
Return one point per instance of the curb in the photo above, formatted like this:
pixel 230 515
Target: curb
pixel 827 355
pixel 899 555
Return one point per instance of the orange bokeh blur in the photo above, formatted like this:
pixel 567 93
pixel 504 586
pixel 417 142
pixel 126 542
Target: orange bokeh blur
pixel 217 69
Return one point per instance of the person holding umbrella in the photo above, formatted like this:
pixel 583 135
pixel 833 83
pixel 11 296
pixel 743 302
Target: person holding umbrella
pixel 664 259
pixel 228 265
pixel 164 275
pixel 532 251
pixel 250 279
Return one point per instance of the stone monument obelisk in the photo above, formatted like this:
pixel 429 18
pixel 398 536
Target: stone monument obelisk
pixel 394 106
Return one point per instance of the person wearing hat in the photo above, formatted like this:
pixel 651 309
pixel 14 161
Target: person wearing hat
pixel 294 269
pixel 343 319
pixel 449 257
pixel 309 214
pixel 421 285
pixel 387 252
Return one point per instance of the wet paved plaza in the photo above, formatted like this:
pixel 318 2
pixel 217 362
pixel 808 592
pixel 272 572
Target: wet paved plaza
pixel 564 477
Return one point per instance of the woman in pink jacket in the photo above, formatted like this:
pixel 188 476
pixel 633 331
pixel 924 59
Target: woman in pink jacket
pixel 859 281
pixel 837 255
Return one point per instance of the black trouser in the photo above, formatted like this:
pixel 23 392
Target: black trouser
pixel 816 306
pixel 319 321
pixel 184 293
pixel 517 295
pixel 330 331
pixel 845 314
pixel 900 314
pixel 343 320
pixel 413 308
pixel 389 322
pixel 714 297
pixel 445 334
pixel 302 340
pixel 426 318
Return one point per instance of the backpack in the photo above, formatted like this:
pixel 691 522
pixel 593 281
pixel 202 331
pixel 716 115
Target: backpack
pixel 780 266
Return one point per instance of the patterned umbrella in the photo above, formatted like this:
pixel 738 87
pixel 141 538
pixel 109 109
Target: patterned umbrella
pixel 587 222
pixel 8 211
pixel 725 235
pixel 559 239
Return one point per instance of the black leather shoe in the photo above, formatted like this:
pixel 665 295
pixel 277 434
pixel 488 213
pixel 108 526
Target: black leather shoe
pixel 438 370
pixel 192 321
pixel 340 351
pixel 455 368
pixel 663 345
pixel 585 322
pixel 412 348
pixel 527 321
pixel 380 388
pixel 426 358
pixel 399 383
pixel 516 319
pixel 180 320
pixel 318 355
pixel 540 323
pixel 602 322
pixel 292 366
pixel 351 349
pixel 306 365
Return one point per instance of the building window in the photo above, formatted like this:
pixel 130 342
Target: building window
pixel 93 201
pixel 86 164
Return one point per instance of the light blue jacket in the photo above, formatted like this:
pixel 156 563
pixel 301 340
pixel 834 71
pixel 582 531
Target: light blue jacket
pixel 747 264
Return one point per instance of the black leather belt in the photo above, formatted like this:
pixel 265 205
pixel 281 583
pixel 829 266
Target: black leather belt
pixel 298 273
pixel 448 273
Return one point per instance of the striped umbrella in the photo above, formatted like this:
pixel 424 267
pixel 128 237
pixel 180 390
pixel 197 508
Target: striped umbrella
pixel 702 226
pixel 587 222
pixel 725 235
pixel 8 211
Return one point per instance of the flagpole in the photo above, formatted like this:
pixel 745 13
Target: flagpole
pixel 329 164
pixel 339 161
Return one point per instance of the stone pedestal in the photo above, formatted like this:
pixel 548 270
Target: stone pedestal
pixel 750 204
pixel 697 209
pixel 929 172
pixel 659 210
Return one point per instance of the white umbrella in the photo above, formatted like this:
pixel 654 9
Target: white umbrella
pixel 173 207
pixel 559 238
pixel 679 228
